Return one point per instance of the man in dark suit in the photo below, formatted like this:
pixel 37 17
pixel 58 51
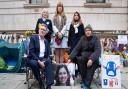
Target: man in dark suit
pixel 39 51
pixel 44 19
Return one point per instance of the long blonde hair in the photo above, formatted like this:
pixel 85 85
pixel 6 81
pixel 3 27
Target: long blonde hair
pixel 63 20
pixel 59 5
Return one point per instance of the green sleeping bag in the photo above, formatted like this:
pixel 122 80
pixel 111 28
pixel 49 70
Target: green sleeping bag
pixel 2 63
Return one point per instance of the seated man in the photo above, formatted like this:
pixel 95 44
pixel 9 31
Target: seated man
pixel 39 51
pixel 89 48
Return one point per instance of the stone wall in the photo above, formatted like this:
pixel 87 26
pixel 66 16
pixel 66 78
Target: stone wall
pixel 14 16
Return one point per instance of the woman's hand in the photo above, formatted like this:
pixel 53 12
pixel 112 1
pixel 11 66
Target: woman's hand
pixel 60 35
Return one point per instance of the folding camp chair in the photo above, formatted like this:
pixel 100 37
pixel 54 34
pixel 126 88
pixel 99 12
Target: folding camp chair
pixel 30 75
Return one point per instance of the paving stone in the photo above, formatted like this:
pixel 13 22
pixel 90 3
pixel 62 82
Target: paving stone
pixel 9 84
pixel 14 76
pixel 62 87
pixel 16 81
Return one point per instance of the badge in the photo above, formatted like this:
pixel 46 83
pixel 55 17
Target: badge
pixel 47 23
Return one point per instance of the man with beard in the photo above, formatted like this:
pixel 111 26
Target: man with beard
pixel 89 48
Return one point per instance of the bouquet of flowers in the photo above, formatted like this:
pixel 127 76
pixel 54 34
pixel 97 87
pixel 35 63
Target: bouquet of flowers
pixel 58 38
pixel 29 33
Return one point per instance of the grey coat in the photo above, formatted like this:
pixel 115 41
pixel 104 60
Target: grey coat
pixel 87 49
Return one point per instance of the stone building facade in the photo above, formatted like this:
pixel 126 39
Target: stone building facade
pixel 103 15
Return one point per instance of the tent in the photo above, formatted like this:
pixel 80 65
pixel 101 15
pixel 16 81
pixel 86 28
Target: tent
pixel 12 55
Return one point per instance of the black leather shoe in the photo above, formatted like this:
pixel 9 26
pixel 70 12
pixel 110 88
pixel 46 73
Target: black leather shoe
pixel 41 85
pixel 48 87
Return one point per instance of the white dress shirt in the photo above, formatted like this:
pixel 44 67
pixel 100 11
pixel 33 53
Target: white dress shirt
pixel 42 47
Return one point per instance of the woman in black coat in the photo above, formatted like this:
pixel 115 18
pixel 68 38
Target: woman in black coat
pixel 76 31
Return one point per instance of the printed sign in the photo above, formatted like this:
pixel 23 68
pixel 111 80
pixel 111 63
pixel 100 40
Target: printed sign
pixel 64 75
pixel 122 39
pixel 111 71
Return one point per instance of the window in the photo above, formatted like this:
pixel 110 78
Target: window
pixel 36 3
pixel 97 4
pixel 95 1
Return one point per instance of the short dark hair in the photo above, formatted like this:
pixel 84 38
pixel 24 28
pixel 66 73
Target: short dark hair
pixel 41 25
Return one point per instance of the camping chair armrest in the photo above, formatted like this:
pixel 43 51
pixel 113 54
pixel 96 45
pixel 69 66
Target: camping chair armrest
pixel 25 59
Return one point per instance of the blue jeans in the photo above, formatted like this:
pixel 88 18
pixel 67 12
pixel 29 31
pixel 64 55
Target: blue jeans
pixel 85 87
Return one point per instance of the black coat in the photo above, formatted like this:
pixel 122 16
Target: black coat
pixel 49 25
pixel 87 49
pixel 73 37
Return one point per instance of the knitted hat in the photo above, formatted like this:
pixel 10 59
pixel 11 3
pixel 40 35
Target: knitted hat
pixel 88 27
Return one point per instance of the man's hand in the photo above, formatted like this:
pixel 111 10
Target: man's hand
pixel 69 61
pixel 53 61
pixel 41 63
pixel 89 63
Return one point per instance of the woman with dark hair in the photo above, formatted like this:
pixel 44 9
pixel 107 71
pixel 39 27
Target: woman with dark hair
pixel 62 76
pixel 60 36
pixel 76 31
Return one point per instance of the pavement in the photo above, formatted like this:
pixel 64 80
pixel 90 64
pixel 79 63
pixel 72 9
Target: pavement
pixel 17 80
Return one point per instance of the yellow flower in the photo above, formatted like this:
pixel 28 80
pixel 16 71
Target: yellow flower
pixel 28 33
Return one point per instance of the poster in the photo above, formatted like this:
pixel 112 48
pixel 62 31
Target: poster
pixel 110 70
pixel 122 39
pixel 64 74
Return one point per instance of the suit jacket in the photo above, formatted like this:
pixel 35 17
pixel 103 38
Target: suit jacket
pixel 49 26
pixel 34 48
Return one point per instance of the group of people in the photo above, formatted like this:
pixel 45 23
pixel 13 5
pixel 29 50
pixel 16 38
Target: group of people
pixel 85 48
